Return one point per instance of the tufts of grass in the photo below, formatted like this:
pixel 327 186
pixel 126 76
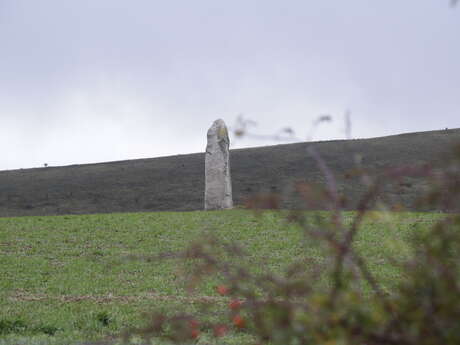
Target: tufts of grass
pixel 86 277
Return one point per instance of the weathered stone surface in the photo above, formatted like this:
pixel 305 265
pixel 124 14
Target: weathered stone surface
pixel 218 184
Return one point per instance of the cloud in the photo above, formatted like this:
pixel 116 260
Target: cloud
pixel 88 81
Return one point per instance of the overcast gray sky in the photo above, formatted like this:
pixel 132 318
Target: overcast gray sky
pixel 99 80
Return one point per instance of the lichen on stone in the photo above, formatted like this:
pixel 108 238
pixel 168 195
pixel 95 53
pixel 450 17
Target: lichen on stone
pixel 223 134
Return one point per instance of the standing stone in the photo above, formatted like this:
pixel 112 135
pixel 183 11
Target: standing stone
pixel 218 184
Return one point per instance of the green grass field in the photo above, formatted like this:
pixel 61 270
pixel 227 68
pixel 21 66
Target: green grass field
pixel 72 278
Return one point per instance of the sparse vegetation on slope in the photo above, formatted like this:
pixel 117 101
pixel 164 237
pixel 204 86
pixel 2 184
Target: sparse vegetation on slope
pixel 176 183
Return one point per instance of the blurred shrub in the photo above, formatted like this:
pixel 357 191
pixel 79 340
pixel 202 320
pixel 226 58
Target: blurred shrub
pixel 329 302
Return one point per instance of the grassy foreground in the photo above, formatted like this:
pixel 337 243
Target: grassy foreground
pixel 72 278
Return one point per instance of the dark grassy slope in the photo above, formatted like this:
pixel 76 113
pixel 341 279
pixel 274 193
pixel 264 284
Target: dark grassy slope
pixel 177 182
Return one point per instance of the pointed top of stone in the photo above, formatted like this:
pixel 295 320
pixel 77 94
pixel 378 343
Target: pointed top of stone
pixel 218 131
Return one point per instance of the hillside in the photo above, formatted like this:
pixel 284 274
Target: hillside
pixel 176 183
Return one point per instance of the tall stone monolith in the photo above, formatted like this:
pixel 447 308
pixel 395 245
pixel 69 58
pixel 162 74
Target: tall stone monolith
pixel 218 184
